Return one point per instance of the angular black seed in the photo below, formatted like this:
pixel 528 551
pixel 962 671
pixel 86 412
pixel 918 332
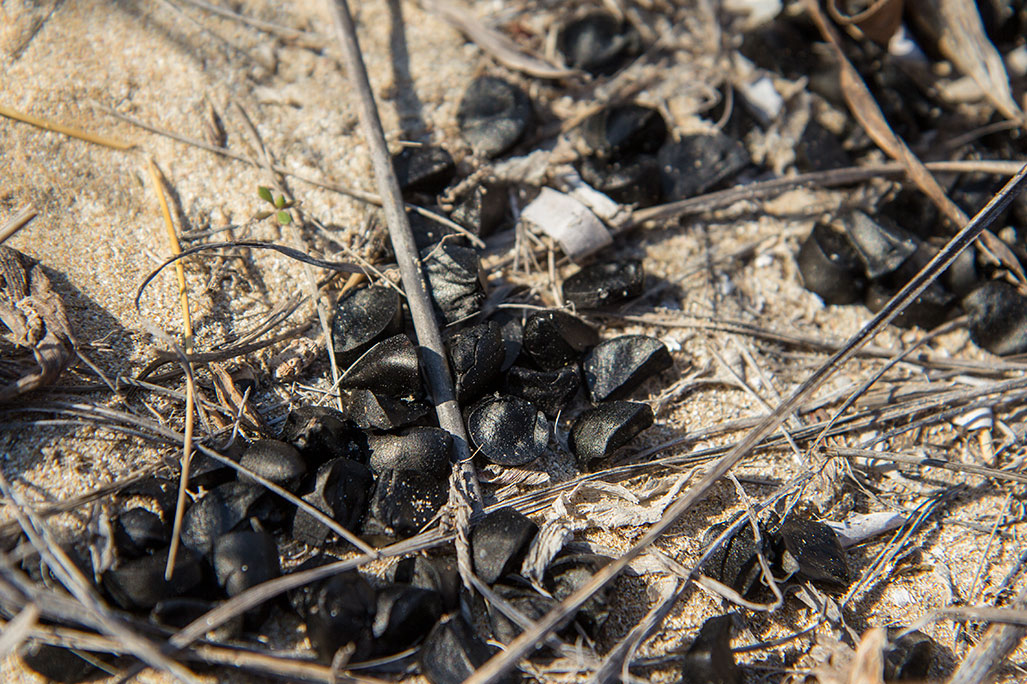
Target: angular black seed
pixel 340 491
pixel 339 611
pixel 371 411
pixel 525 601
pixel 425 168
pixel 424 449
pixel 57 664
pixel 569 572
pixel 882 247
pixel 633 180
pixel 605 283
pixel 493 115
pixel 508 430
pixel 245 559
pixel 909 658
pixel 404 615
pixel 709 659
pixel 812 549
pixel 476 357
pixel 177 613
pixel 499 542
pixel 925 311
pixel 321 433
pixel 138 531
pixel 406 500
pixel 140 584
pixel 556 338
pixel 624 130
pixel 607 427
pixel 962 277
pixel 452 652
pixel 549 390
pixel 830 267
pixel 697 163
pixel 598 43
pixel 484 209
pixel 819 150
pixel 735 562
pixel 513 337
pixel 429 232
pixel 277 461
pixel 363 318
pixel 390 368
pixel 455 281
pixel 615 367
pixel 436 573
pixel 997 318
pixel 217 513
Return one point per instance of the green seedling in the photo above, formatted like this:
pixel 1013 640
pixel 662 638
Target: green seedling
pixel 280 204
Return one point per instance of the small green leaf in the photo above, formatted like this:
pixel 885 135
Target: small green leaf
pixel 284 218
pixel 280 202
pixel 261 215
pixel 265 194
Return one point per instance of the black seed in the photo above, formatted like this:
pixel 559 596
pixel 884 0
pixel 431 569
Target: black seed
pixel 930 309
pixel 57 664
pixel 997 318
pixel 708 659
pixel 138 531
pixel 321 433
pixel 882 247
pixel 363 318
pixel 513 337
pixel 217 513
pixel 962 278
pixel 245 559
pixel 370 411
pixel 549 390
pixel 528 603
pixel 735 562
pixel 499 542
pixel 428 232
pixel 455 281
pixel 698 163
pixel 624 130
pixel 390 368
pixel 830 267
pixel 424 449
pixel 476 357
pixel 508 430
pixel 910 657
pixel 812 549
pixel 274 460
pixel 341 492
pixel 556 338
pixel 140 584
pixel 452 652
pixel 484 210
pixel 598 43
pixel 493 115
pixel 819 150
pixel 177 613
pixel 607 427
pixel 615 367
pixel 406 500
pixel 605 283
pixel 634 180
pixel 438 574
pixel 404 615
pixel 425 168
pixel 568 573
pixel 339 611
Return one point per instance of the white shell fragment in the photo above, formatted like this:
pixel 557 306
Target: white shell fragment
pixel 859 528
pixel 567 221
pixel 981 418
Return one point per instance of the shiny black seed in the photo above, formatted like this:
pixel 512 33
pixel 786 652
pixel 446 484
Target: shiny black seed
pixel 177 613
pixel 140 584
pixel 882 247
pixel 549 390
pixel 425 168
pixel 513 337
pixel 493 115
pixel 390 368
pixel 341 491
pixel 525 601
pixel 436 573
pixel 997 318
pixel 599 431
pixel 371 411
pixel 499 542
pixel 556 338
pixel 424 449
pixel 339 611
pixel 615 367
pixel 930 309
pixel 57 664
pixel 218 512
pixel 245 559
pixel 830 267
pixel 735 562
pixel 407 500
pixel 568 573
pixel 819 150
pixel 812 549
pixel 634 180
pixel 363 318
pixel 708 659
pixel 484 209
pixel 277 461
pixel 321 433
pixel 428 232
pixel 404 615
pixel 138 531
pixel 455 281
pixel 605 283
pixel 452 652
pixel 508 430
pixel 598 43
pixel 476 357
pixel 698 163
pixel 624 130
pixel 962 277
pixel 909 658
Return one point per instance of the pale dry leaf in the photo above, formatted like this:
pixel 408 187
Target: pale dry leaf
pixel 868 665
pixel 551 538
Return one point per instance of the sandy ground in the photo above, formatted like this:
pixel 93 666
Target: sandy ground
pixel 99 228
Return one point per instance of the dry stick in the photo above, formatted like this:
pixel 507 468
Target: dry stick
pixel 16 223
pixel 48 125
pixel 499 664
pixel 999 641
pixel 433 352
